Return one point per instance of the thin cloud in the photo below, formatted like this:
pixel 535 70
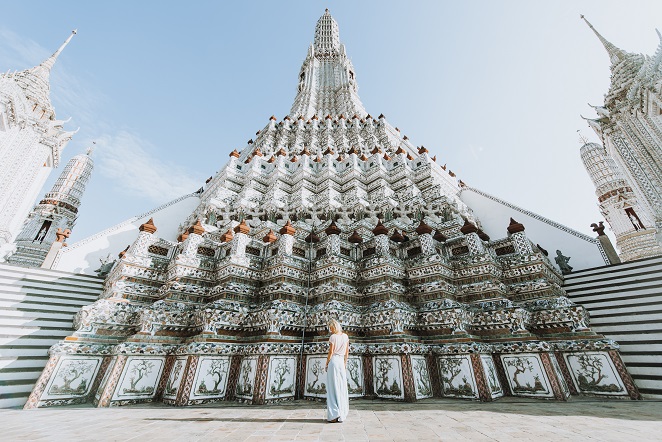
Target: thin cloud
pixel 18 53
pixel 70 96
pixel 123 157
pixel 129 161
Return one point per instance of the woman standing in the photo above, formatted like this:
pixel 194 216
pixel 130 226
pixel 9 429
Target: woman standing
pixel 337 397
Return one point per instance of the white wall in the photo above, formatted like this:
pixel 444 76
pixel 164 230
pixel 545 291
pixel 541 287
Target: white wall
pixel 494 215
pixel 83 256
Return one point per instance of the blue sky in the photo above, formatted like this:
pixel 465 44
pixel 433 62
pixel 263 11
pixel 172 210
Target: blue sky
pixel 168 89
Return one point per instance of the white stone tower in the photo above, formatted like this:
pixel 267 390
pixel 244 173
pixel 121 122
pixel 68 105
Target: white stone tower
pixel 54 214
pixel 635 234
pixel 31 141
pixel 629 167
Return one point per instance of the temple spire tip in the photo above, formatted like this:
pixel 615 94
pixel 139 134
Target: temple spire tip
pixel 50 61
pixel 615 54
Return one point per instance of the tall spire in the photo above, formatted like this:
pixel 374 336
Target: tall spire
pixel 327 35
pixel 36 81
pixel 327 83
pixel 50 61
pixel 615 54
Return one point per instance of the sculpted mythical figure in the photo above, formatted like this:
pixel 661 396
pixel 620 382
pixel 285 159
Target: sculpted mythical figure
pixel 562 262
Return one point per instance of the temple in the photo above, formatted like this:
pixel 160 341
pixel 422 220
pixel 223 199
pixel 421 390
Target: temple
pixel 31 142
pixel 627 167
pixel 53 218
pixel 331 212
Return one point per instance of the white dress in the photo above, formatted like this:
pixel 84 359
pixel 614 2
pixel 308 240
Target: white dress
pixel 337 397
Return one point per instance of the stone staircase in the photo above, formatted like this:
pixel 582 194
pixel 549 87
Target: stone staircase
pixel 37 307
pixel 625 304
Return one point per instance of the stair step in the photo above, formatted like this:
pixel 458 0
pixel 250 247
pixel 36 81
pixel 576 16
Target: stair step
pixel 39 306
pixel 26 363
pixel 639 371
pixel 19 314
pixel 8 342
pixel 25 350
pixel 626 266
pixel 649 384
pixel 8 387
pixel 60 283
pixel 626 319
pixel 35 332
pixel 33 323
pixel 591 295
pixel 621 276
pixel 650 328
pixel 23 374
pixel 25 272
pixel 30 298
pixel 11 401
pixel 603 306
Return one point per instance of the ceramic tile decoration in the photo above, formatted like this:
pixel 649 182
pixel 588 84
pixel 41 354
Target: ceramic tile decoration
pixel 355 385
pixel 332 213
pixel 73 378
pixel 422 382
pixel 492 376
pixel 388 377
pixel 246 381
pixel 139 379
pixel 175 378
pixel 316 376
pixel 526 375
pixel 457 376
pixel 595 373
pixel 280 383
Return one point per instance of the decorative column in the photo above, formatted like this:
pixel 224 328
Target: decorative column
pixel 239 243
pixel 333 239
pixel 286 241
pixel 425 237
pixel 474 243
pixel 520 241
pixel 606 244
pixel 382 246
pixel 131 260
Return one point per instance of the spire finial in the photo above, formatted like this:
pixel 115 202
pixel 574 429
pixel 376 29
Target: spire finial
pixel 90 149
pixel 615 54
pixel 50 61
pixel 582 138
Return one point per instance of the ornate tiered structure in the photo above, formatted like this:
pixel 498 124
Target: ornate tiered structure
pixel 55 215
pixel 330 213
pixel 31 141
pixel 627 171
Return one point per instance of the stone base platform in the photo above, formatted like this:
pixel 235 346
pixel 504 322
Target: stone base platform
pixel 429 419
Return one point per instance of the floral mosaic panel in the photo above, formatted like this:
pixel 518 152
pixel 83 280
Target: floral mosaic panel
pixel 175 378
pixel 73 378
pixel 246 381
pixel 212 378
pixel 422 383
pixel 491 376
pixel 388 377
pixel 315 376
pixel 594 372
pixel 457 376
pixel 280 382
pixel 140 378
pixel 355 386
pixel 526 375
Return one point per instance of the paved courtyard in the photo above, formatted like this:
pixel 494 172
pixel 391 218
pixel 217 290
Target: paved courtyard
pixel 504 420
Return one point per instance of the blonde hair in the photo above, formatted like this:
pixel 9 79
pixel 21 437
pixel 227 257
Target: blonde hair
pixel 335 326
